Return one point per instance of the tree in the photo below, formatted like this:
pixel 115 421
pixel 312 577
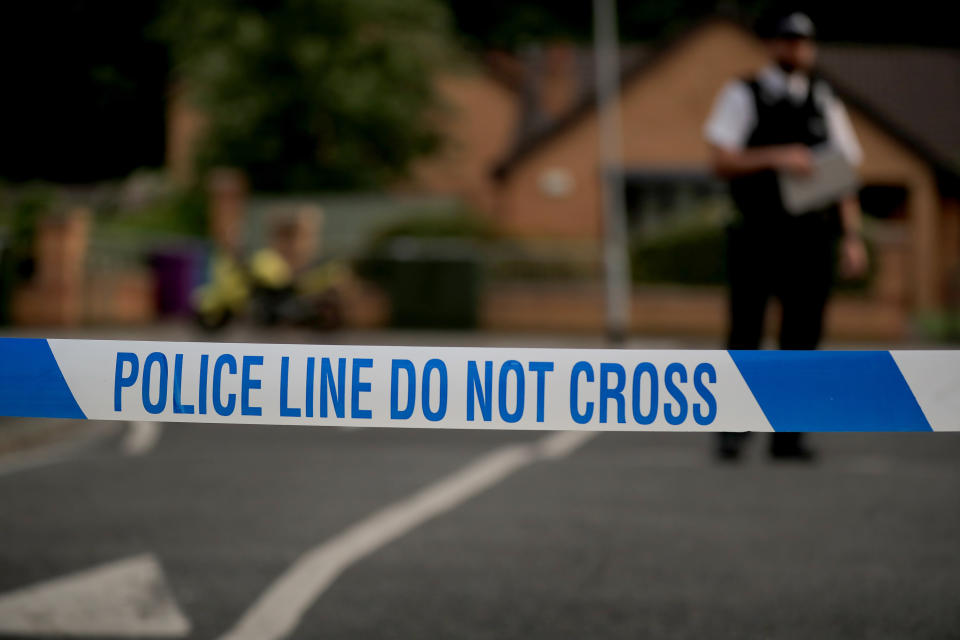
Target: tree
pixel 310 94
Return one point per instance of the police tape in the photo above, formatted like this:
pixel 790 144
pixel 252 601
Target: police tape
pixel 481 388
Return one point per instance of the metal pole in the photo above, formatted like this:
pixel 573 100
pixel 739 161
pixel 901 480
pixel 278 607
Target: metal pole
pixel 616 260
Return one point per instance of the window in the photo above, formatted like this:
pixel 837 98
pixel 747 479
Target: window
pixel 884 201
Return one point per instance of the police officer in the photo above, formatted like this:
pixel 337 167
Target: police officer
pixel 760 126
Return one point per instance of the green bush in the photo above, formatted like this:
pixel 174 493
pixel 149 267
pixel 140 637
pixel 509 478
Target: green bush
pixel 178 213
pixel 430 268
pixel 19 214
pixel 689 256
pixel 697 256
pixel 455 224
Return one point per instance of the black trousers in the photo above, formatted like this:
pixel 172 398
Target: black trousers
pixel 793 261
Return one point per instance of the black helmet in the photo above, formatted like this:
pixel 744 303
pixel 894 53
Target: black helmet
pixel 795 25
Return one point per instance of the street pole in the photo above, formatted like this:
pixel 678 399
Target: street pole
pixel 616 260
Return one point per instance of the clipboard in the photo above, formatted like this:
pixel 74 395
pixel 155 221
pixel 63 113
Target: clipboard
pixel 832 178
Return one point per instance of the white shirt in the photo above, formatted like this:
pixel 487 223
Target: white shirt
pixel 734 114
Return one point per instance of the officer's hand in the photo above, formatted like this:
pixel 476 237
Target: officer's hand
pixel 853 258
pixel 795 158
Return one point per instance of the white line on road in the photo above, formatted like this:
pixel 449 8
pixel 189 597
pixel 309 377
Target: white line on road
pixel 141 437
pixel 279 609
pixel 562 443
pixel 56 453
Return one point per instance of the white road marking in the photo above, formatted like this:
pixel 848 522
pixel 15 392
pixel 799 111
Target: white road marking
pixel 560 444
pixel 126 598
pixel 141 437
pixel 55 453
pixel 279 609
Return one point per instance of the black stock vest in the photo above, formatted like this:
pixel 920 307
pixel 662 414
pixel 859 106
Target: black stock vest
pixel 779 121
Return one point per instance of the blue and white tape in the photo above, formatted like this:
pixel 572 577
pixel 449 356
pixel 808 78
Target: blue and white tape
pixel 481 388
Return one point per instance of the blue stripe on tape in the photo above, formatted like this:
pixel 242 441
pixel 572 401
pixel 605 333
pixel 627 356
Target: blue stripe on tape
pixel 31 384
pixel 831 391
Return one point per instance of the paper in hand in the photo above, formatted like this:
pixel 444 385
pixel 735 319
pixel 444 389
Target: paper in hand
pixel 832 178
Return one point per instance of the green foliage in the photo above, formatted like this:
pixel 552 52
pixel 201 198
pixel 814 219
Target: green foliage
pixel 455 224
pixel 942 326
pixel 19 213
pixel 178 213
pixel 311 94
pixel 688 256
pixel 21 209
pixel 696 255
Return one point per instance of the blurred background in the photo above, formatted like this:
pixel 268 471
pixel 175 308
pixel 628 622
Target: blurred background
pixel 430 172
pixel 431 163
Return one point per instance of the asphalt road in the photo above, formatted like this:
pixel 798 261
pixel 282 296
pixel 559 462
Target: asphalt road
pixel 626 536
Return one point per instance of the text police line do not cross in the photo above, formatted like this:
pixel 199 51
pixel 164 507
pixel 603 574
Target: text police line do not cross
pixel 481 387
pixel 513 391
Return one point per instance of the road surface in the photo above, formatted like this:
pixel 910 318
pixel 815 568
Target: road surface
pixel 228 531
